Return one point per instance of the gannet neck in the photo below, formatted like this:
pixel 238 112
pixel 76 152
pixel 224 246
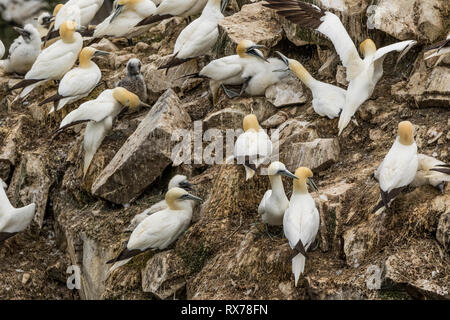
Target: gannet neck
pixel 85 57
pixel 67 31
pixel 299 70
pixel 212 6
pixel 126 98
pixel 300 186
pixel 406 133
pixel 250 122
pixel 57 9
pixel 277 186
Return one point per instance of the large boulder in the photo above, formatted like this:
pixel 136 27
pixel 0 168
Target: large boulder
pixel 146 153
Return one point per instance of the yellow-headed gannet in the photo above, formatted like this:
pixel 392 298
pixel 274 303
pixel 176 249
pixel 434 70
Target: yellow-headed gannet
pixel 301 220
pixel 228 70
pixel 134 80
pixel 179 181
pixel 439 49
pixel 54 61
pixel 362 74
pixel 198 38
pixel 328 100
pixel 253 147
pixel 78 82
pixel 399 166
pixel 87 11
pixel 173 8
pixel 99 114
pixel 274 203
pixel 160 229
pixel 23 51
pixel 2 49
pixel 13 220
pixel 122 21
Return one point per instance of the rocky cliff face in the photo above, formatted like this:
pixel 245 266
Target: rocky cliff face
pixel 403 253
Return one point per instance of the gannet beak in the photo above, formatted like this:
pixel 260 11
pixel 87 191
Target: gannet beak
pixel 224 5
pixel 81 29
pixel 286 173
pixel 98 53
pixel 22 32
pixel 119 9
pixel 145 105
pixel 186 185
pixel 191 197
pixel 312 184
pixel 285 60
pixel 252 51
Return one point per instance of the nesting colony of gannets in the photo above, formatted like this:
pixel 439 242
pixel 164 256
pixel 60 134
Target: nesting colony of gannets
pixel 248 72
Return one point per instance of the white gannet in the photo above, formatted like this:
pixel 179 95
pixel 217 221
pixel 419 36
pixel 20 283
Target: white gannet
pixel 439 49
pixel 198 38
pixel 134 80
pixel 399 167
pixel 228 70
pixel 179 181
pixel 173 8
pixel 99 114
pixel 301 220
pixel 253 147
pixel 13 220
pixel 122 21
pixel 23 51
pixel 42 23
pixel 362 74
pixel 54 61
pixel 160 229
pixel 2 49
pixel 78 82
pixel 67 12
pixel 431 171
pixel 328 100
pixel 87 11
pixel 274 203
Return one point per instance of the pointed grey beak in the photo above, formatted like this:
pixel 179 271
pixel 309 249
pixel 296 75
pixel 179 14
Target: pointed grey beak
pixel 312 184
pixel 186 185
pixel 224 5
pixel 100 53
pixel 286 173
pixel 145 105
pixel 285 60
pixel 254 52
pixel 189 196
pixel 119 9
pixel 22 32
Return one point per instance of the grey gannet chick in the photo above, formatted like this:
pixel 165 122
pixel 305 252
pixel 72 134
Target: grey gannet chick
pixel 55 61
pixel 301 220
pixel 178 181
pixel 12 220
pixel 99 115
pixel 78 82
pixel 160 229
pixel 399 167
pixel 328 100
pixel 253 147
pixel 274 203
pixel 23 51
pixel 134 80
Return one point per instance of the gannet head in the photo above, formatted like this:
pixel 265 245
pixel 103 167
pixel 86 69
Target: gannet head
pixel 278 168
pixel 121 5
pixel 406 133
pixel 133 67
pixel 67 31
pixel 176 195
pixel 250 122
pixel 127 98
pixel 87 54
pixel 367 47
pixel 57 8
pixel 44 19
pixel 223 5
pixel 28 33
pixel 180 181
pixel 304 176
pixel 247 48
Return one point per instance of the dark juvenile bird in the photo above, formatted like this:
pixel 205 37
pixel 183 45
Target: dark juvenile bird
pixel 134 81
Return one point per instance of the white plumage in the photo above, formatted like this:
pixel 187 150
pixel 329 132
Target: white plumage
pixel 2 49
pixel 13 220
pixel 69 12
pixel 182 8
pixel 262 76
pixel 425 175
pixel 83 11
pixel 23 51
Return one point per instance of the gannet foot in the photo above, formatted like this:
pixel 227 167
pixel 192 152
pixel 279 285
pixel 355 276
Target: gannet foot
pixel 230 93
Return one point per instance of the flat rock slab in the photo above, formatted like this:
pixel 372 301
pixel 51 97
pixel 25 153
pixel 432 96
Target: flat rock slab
pixel 145 154
pixel 286 92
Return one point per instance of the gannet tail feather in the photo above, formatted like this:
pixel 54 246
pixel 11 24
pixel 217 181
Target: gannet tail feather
pixel 387 197
pixel 24 83
pixel 125 254
pixel 6 235
pixel 174 61
pixel 53 98
pixel 300 248
pixel 153 19
pixel 57 132
pixel 298 266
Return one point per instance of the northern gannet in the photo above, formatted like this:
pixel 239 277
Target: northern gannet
pixel 431 171
pixel 13 220
pixel 178 181
pixel 134 80
pixel 253 147
pixel 228 70
pixel 54 61
pixel 67 12
pixel 78 82
pixel 160 229
pixel 198 38
pixel 328 100
pixel 87 11
pixel 362 74
pixel 439 49
pixel 399 166
pixel 2 49
pixel 23 51
pixel 99 114
pixel 122 21
pixel 301 220
pixel 274 203
pixel 173 8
